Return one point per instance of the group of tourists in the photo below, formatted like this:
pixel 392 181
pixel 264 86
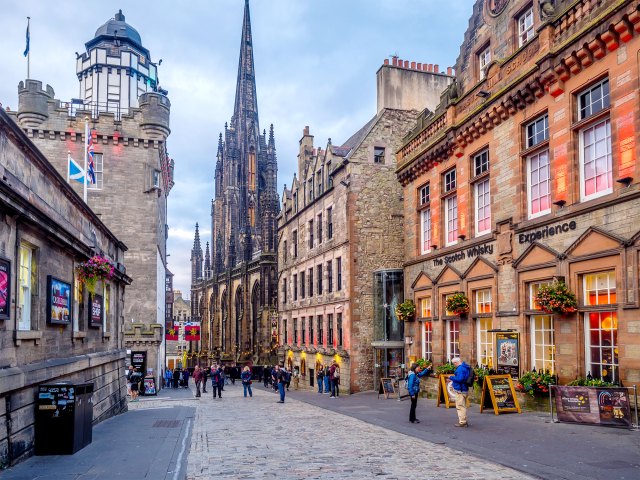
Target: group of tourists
pixel 176 378
pixel 459 382
pixel 328 379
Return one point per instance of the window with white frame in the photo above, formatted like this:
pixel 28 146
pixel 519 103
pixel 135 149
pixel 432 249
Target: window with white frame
pixel 27 282
pixel 534 288
pixel 481 163
pixel 484 58
pixel 483 301
pixel 107 308
pixel 78 295
pixel 450 180
pixel 378 154
pixel 451 220
pixel 537 131
pixel 485 341
pixel 596 163
pixel 483 207
pixel 98 170
pixel 427 340
pixel 525 27
pixel 539 184
pixel 453 338
pixel 424 194
pixel 600 288
pixel 425 231
pixel 543 348
pixel 601 345
pixel 425 307
pixel 444 305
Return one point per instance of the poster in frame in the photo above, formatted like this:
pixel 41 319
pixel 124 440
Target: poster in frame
pixel 96 310
pixel 58 301
pixel 5 288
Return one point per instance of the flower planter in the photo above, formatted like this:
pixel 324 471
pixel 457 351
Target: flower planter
pixel 536 403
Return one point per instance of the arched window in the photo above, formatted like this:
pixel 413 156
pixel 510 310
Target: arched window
pixel 225 315
pixel 255 318
pixel 239 313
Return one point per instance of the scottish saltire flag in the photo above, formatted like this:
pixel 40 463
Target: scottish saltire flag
pixel 76 172
pixel 26 50
pixel 90 167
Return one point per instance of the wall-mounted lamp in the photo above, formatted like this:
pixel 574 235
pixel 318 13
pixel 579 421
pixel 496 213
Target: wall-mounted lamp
pixel 483 94
pixel 560 203
pixel 462 236
pixel 408 340
pixel 626 181
pixel 435 247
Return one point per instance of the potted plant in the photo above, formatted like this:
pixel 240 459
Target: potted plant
pixel 589 382
pixel 556 298
pixel 458 303
pixel 406 310
pixel 95 269
pixel 535 383
pixel 445 369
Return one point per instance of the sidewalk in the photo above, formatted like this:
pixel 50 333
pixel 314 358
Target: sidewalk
pixel 528 442
pixel 150 443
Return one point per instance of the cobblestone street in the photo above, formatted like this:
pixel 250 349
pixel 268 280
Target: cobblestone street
pixel 256 437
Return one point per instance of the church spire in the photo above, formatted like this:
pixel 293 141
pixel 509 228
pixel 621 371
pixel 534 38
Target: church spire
pixel 245 112
pixel 207 262
pixel 196 258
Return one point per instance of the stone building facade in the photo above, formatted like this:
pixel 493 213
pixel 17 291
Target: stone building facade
pixel 46 230
pixel 525 175
pixel 128 115
pixel 233 292
pixel 340 250
pixel 181 314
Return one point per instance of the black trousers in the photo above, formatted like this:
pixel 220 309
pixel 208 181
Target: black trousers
pixel 412 412
pixel 217 388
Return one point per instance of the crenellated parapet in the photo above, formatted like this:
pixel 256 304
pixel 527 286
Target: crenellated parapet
pixel 34 103
pixel 155 109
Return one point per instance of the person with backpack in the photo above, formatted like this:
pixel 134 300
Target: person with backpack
pixel 216 380
pixel 245 376
pixel 280 380
pixel 334 377
pixel 461 380
pixel 135 379
pixel 320 378
pixel 413 386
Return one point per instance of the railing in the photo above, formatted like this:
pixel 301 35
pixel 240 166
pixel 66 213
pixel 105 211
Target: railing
pixel 76 106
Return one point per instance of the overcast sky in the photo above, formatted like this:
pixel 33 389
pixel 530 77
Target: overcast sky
pixel 316 63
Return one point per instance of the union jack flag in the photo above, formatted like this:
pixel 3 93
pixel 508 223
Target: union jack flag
pixel 90 151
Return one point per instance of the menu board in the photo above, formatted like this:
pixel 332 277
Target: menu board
pixel 96 310
pixel 593 405
pixel 446 393
pixel 58 301
pixel 149 384
pixel 5 288
pixel 139 360
pixel 498 393
pixel 386 387
pixel 508 351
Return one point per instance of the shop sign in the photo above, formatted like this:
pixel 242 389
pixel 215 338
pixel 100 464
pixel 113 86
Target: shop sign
pixel 593 405
pixel 5 288
pixel 499 393
pixel 139 360
pixel 484 249
pixel 58 301
pixel 546 232
pixel 96 311
pixel 508 348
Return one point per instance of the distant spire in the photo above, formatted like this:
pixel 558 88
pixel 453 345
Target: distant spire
pixel 207 261
pixel 220 144
pixel 271 139
pixel 246 106
pixel 196 240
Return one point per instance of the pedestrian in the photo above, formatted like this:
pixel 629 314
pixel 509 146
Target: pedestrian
pixel 327 380
pixel 176 377
pixel 185 378
pixel 281 380
pixel 266 376
pixel 274 380
pixel 197 377
pixel 413 385
pixel 334 377
pixel 287 377
pixel 320 378
pixel 205 375
pixel 168 375
pixel 129 372
pixel 135 384
pixel 245 376
pixel 459 383
pixel 216 381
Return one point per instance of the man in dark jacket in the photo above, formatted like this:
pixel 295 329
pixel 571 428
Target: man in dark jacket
pixel 217 379
pixel 197 377
pixel 281 380
pixel 413 385
pixel 459 381
pixel 320 378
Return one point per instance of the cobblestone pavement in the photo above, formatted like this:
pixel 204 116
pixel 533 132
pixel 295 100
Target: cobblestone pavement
pixel 237 437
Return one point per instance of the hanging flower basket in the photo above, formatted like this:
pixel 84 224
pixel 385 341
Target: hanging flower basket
pixel 556 298
pixel 95 269
pixel 406 311
pixel 458 303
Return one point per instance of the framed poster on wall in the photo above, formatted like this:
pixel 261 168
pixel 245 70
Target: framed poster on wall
pixel 508 352
pixel 58 301
pixel 5 288
pixel 96 310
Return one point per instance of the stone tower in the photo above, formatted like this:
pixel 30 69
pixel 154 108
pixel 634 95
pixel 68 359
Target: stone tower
pixel 128 115
pixel 238 297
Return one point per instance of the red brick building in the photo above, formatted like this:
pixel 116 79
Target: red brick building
pixel 527 173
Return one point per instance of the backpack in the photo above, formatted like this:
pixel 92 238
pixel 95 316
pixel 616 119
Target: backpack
pixel 287 376
pixel 470 378
pixel 336 373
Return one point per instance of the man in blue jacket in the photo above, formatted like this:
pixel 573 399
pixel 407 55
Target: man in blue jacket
pixel 459 381
pixel 413 385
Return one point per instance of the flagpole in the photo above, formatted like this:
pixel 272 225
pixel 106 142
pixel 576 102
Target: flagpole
pixel 86 145
pixel 29 50
pixel 68 166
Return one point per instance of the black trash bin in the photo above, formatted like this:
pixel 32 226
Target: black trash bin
pixel 64 418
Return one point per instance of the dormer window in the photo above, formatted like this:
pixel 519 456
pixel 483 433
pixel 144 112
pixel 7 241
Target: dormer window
pixel 525 27
pixel 484 58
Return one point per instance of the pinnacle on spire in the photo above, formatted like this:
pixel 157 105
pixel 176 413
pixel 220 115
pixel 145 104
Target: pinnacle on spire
pixel 196 241
pixel 220 143
pixel 207 260
pixel 271 139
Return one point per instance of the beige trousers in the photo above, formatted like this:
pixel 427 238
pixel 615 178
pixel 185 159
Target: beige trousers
pixel 461 406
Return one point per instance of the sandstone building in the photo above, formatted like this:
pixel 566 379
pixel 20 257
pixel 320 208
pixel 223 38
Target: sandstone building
pixel 527 173
pixel 128 115
pixel 340 248
pixel 233 292
pixel 51 329
pixel 181 314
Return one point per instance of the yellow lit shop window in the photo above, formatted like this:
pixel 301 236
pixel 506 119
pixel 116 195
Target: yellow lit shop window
pixel 600 288
pixel 425 307
pixel 483 301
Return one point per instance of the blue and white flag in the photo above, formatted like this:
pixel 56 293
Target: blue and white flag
pixel 26 50
pixel 76 172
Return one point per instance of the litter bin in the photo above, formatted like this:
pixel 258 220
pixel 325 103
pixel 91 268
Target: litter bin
pixel 64 418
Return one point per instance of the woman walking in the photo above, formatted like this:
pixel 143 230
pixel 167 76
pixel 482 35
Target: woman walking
pixel 245 376
pixel 135 384
pixel 413 385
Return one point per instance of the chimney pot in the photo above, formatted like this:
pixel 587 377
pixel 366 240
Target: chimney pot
pixel 419 66
pixel 430 67
pixel 436 69
pixel 406 64
pixel 449 71
pixel 386 61
pixel 394 61
pixel 424 67
pixel 413 65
